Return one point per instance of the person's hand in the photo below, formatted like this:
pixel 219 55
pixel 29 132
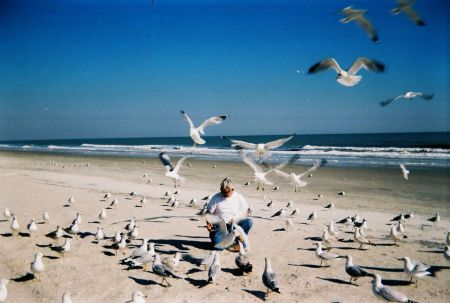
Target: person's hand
pixel 209 226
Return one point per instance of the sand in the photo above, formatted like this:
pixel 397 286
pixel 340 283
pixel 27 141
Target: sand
pixel 32 183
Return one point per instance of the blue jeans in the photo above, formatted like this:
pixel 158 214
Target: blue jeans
pixel 217 236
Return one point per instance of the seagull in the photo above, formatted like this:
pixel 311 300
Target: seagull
pixel 331 205
pixel 63 248
pixel 102 216
pixel 406 7
pixel 32 227
pixel 215 269
pixel 327 238
pixel 7 213
pixel 143 202
pixel 172 262
pixel 114 203
pixel 208 259
pixel 259 175
pixel 242 261
pixel 269 204
pixel 145 258
pixel 414 269
pixel 349 77
pixel 447 253
pixel 99 235
pixel 193 202
pixel 312 216
pixel 37 266
pixel 342 193
pixel 71 200
pixel 447 239
pixel 362 224
pixel 269 278
pixel 295 212
pixel 295 179
pixel 15 226
pixel 324 256
pixel 134 233
pixel 346 221
pixel 132 223
pixel 289 204
pixel 162 270
pixel 331 229
pixel 172 172
pixel 78 218
pixel 387 293
pixel 121 245
pixel 400 227
pixel 137 297
pixel 402 217
pixel 279 213
pixel 107 195
pixel 354 271
pixel 196 133
pixel 57 234
pixel 3 290
pixel 358 16
pixel 360 239
pixel 261 149
pixel 405 172
pixel 138 252
pixel 407 95
pixel 435 220
pixel 46 217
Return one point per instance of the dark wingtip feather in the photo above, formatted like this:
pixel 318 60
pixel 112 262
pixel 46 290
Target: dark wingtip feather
pixel 420 23
pixel 183 112
pixel 375 38
pixel 313 68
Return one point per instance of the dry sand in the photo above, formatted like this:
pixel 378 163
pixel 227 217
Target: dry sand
pixel 31 184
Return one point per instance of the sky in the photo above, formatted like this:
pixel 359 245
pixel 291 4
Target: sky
pixel 124 68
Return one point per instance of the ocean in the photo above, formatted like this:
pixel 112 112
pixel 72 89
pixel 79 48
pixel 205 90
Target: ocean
pixel 387 149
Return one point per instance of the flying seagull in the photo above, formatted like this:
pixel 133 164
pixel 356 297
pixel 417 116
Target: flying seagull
pixel 405 172
pixel 407 95
pixel 196 133
pixel 358 16
pixel 406 7
pixel 259 174
pixel 295 179
pixel 261 149
pixel 348 77
pixel 172 172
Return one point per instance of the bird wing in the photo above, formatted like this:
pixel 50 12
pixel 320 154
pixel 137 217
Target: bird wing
pixel 249 161
pixel 281 173
pixel 316 166
pixel 425 96
pixel 412 14
pixel 392 295
pixel 238 144
pixel 270 281
pixel 368 27
pixel 211 121
pixel 277 143
pixel 179 163
pixel 185 115
pixel 243 236
pixel 366 63
pixel 325 64
pixel 165 160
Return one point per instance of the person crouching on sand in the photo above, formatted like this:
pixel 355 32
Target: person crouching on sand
pixel 228 205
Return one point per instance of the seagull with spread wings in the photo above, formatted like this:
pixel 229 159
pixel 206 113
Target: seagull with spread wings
pixel 261 149
pixel 358 16
pixel 405 6
pixel 172 172
pixel 197 132
pixel 408 96
pixel 295 179
pixel 348 77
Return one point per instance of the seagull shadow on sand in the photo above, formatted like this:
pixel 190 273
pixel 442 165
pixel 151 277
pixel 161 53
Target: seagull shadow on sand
pixel 337 281
pixel 279 229
pixel 431 251
pixel 143 282
pixel 25 278
pixel 257 293
pixel 6 235
pixel 308 265
pixel 314 238
pixel 234 271
pixel 182 244
pixel 43 245
pixel 197 283
pixel 3 221
pixel 385 269
pixel 391 282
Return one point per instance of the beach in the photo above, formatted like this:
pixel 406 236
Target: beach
pixel 32 183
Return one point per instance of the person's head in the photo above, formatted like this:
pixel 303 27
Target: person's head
pixel 227 187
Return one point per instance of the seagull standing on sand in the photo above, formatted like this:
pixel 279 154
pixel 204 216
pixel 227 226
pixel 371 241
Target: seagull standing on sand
pixel 261 149
pixel 387 293
pixel 406 7
pixel 102 216
pixel 137 297
pixel 66 298
pixel 114 203
pixel 435 220
pixel 289 224
pixel 32 227
pixel 295 179
pixel 99 235
pixel 407 96
pixel 196 133
pixel 324 256
pixel 414 269
pixel 7 213
pixel 242 261
pixel 63 248
pixel 348 77
pixel 172 262
pixel 172 172
pixel 37 266
pixel 46 217
pixel 360 239
pixel 71 200
pixel 15 226
pixel 3 290
pixel 162 270
pixel 354 271
pixel 312 216
pixel 295 212
pixel 403 217
pixel 215 269
pixel 279 213
pixel 269 278
pixel 358 16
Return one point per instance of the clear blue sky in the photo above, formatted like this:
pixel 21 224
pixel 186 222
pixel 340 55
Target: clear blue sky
pixel 93 69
